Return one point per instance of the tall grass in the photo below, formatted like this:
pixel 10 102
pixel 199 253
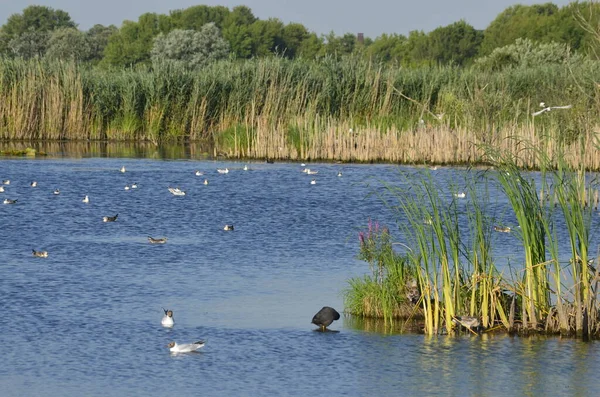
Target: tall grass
pixel 456 272
pixel 348 109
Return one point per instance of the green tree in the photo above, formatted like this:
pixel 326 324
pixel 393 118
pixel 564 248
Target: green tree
pixel 456 43
pixel 266 36
pixel 339 46
pixel 133 42
pixel 69 43
pixel 236 30
pixel 294 34
pixel 193 18
pixel 33 20
pixel 29 44
pixel 190 48
pixel 98 37
pixel 536 22
pixel 311 47
pixel 387 48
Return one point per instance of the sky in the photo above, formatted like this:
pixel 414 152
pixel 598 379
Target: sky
pixel 371 17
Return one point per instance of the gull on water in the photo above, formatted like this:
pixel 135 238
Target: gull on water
pixel 126 187
pixel 40 254
pixel 9 201
pixel 1 189
pixel 122 169
pixel 460 195
pixel 109 218
pixel 134 185
pixel 167 321
pixel 56 192
pixel 206 181
pixel 223 170
pixel 86 199
pixel 246 167
pixel 176 191
pixel 33 184
pixel 228 227
pixel 6 182
pixel 313 182
pixel 157 240
pixel 198 173
pixel 186 347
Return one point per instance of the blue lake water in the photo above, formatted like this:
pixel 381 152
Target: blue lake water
pixel 86 320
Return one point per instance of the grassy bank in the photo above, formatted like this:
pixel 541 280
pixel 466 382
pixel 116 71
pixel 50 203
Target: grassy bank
pixel 447 270
pixel 346 109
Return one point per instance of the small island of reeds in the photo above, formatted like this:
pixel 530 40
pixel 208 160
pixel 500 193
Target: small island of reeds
pixel 437 265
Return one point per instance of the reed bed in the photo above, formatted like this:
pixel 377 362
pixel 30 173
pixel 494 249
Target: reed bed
pixel 347 109
pixel 456 274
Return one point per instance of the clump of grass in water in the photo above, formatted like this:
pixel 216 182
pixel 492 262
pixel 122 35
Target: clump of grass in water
pixel 385 292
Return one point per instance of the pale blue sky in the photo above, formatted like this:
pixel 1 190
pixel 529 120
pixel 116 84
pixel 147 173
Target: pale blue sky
pixel 371 17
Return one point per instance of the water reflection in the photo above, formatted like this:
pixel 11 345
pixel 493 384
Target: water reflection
pixel 83 149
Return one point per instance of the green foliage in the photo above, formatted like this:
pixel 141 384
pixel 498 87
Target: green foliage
pixel 526 53
pixel 29 44
pixel 189 48
pixel 98 37
pixel 457 43
pixel 69 44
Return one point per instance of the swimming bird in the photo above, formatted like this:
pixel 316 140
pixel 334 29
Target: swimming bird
pixel 223 170
pixel 325 317
pixel 1 189
pixel 186 347
pixel 460 195
pixel 109 218
pixel 33 184
pixel 206 181
pixel 56 192
pixel 228 227
pixel 502 229
pixel 9 201
pixel 311 172
pixel 469 322
pixel 340 173
pixel 313 182
pixel 303 165
pixel 86 199
pixel 40 254
pixel 126 187
pixel 198 173
pixel 176 191
pixel 157 240
pixel 6 182
pixel 134 185
pixel 549 108
pixel 122 169
pixel 167 321
pixel 245 167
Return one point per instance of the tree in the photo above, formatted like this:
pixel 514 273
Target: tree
pixel 456 43
pixel 134 40
pixel 29 45
pixel 193 18
pixel 339 46
pixel 536 22
pixel 386 48
pixel 526 53
pixel 190 48
pixel 294 34
pixel 311 47
pixel 68 43
pixel 98 37
pixel 236 30
pixel 266 36
pixel 36 21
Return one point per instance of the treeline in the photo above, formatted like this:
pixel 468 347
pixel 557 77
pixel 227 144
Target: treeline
pixel 237 33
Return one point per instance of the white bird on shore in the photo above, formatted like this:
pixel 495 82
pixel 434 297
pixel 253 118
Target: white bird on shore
pixel 186 347
pixel 86 199
pixel 549 108
pixel 167 321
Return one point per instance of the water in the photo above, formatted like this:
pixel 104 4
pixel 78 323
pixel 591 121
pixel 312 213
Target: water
pixel 86 320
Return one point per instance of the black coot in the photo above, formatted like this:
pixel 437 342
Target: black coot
pixel 325 317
